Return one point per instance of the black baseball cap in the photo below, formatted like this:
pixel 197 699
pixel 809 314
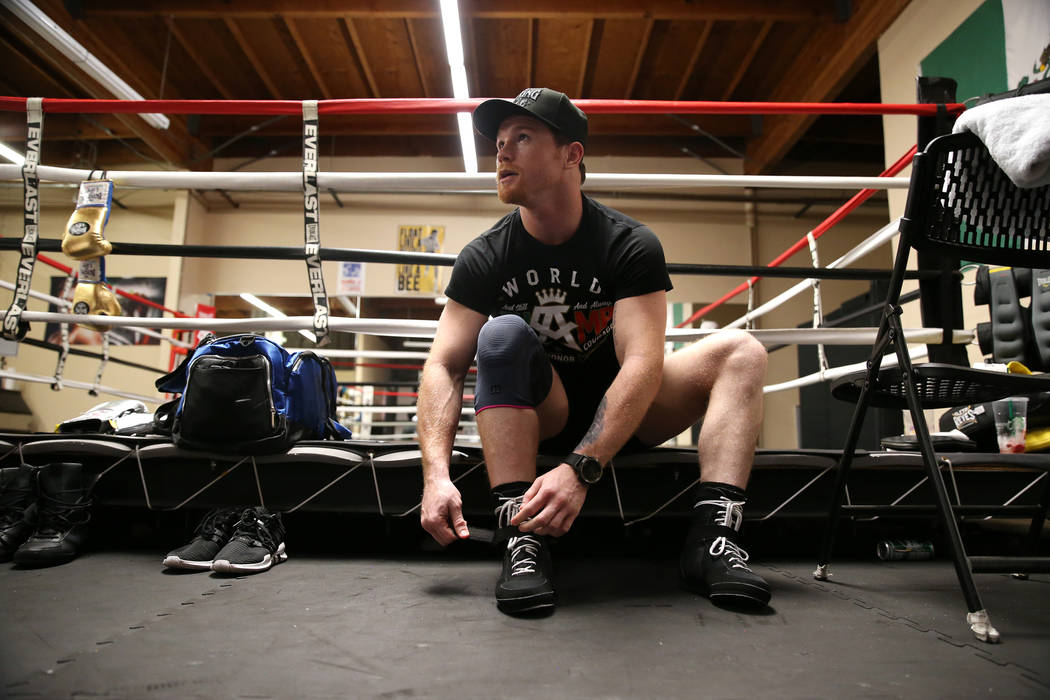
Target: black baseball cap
pixel 551 107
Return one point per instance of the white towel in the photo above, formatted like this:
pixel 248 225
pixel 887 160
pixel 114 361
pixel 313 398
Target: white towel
pixel 1016 131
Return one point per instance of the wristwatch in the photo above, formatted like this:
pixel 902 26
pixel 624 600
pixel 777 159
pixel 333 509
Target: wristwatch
pixel 588 469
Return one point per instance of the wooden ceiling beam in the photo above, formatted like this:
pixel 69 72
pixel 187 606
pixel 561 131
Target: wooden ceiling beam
pixel 639 57
pixel 172 147
pixel 585 62
pixel 355 41
pixel 731 10
pixel 413 44
pixel 687 74
pixel 253 58
pixel 745 62
pixel 304 52
pixel 833 55
pixel 201 62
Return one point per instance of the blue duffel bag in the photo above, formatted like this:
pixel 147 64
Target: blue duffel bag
pixel 245 394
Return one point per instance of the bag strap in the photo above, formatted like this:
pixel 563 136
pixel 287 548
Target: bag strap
pixel 177 377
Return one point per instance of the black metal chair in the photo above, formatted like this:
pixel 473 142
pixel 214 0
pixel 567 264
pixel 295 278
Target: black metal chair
pixel 961 206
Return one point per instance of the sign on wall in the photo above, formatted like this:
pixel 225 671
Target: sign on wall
pixel 420 239
pixel 351 278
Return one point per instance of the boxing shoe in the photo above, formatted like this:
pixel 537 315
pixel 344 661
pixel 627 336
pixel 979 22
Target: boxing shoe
pixel 64 501
pixel 17 508
pixel 92 296
pixel 525 583
pixel 712 562
pixel 83 237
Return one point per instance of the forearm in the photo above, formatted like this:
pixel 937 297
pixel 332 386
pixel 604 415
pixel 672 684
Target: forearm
pixel 439 406
pixel 622 408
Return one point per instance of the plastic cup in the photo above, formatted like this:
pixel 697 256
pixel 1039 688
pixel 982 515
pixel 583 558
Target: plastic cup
pixel 1011 419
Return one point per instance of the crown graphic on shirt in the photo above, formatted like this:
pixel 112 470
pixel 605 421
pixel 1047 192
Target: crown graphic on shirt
pixel 550 296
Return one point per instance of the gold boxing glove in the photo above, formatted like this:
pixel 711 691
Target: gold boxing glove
pixel 93 296
pixel 83 237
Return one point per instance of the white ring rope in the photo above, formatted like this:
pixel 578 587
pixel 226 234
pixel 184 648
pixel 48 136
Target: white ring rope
pixel 437 181
pixel 836 372
pixel 65 304
pixel 426 329
pixel 869 244
pixel 72 384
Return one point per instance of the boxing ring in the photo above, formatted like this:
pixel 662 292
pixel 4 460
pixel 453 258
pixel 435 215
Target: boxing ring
pixel 382 476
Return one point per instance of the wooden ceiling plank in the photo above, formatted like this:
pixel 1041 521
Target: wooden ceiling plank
pixel 585 61
pixel 834 53
pixel 643 46
pixel 201 62
pixel 253 58
pixel 687 74
pixel 166 144
pixel 304 53
pixel 355 41
pixel 414 45
pixel 745 62
pixel 780 10
pixel 33 68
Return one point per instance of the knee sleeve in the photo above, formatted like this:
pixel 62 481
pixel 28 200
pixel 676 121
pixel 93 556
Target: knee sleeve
pixel 513 370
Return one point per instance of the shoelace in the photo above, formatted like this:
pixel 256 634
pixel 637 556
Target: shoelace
pixel 731 515
pixel 525 549
pixel 57 515
pixel 13 505
pixel 736 557
pixel 256 527
pixel 214 523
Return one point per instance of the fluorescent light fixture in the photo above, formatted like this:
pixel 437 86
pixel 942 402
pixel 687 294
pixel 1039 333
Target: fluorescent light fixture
pixel 11 154
pixel 454 51
pixel 75 52
pixel 273 311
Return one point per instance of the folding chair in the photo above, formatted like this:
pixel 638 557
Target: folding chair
pixel 960 206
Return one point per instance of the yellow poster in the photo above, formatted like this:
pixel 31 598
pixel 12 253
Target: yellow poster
pixel 420 238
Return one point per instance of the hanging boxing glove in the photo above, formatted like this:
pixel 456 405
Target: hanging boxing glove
pixel 83 237
pixel 92 295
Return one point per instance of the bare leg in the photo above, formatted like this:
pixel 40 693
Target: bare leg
pixel 719 378
pixel 510 436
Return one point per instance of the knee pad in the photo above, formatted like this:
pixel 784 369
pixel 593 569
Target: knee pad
pixel 513 370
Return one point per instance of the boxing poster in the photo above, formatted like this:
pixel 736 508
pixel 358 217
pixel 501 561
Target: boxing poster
pixel 151 288
pixel 420 238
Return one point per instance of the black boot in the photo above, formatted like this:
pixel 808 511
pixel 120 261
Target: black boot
pixel 65 497
pixel 525 583
pixel 712 563
pixel 17 507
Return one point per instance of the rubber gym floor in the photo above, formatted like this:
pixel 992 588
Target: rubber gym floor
pixel 366 608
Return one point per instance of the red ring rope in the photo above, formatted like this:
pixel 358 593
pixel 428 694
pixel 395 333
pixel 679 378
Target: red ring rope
pixel 452 106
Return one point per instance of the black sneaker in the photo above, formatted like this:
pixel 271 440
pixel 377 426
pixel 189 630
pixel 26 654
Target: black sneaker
pixel 256 545
pixel 214 531
pixel 713 564
pixel 525 583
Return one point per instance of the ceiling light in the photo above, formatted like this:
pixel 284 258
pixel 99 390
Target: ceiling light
pixel 75 52
pixel 11 154
pixel 454 51
pixel 273 311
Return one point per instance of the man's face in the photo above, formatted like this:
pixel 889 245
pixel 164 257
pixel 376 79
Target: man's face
pixel 528 160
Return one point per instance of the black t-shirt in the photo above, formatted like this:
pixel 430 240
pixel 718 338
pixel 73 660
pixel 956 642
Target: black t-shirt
pixel 564 292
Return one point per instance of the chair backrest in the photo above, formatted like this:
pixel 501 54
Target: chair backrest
pixel 962 203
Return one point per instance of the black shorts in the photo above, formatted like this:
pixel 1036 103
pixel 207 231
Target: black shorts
pixel 582 405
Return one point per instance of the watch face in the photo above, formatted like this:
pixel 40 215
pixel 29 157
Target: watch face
pixel 590 470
